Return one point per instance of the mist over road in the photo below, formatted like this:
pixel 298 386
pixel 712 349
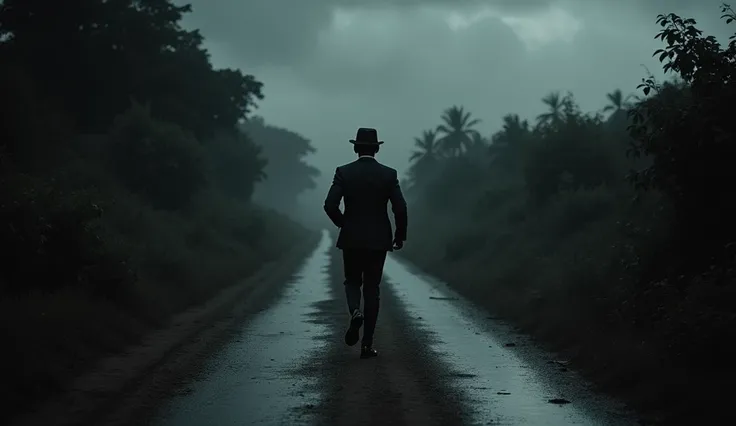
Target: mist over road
pixel 441 361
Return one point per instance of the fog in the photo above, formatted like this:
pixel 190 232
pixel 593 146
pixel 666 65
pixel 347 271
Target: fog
pixel 159 164
pixel 331 66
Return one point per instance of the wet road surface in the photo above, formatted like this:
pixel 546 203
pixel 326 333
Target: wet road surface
pixel 442 361
pixel 252 380
pixel 502 377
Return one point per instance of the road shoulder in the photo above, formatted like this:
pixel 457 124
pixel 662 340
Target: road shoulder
pixel 125 388
pixel 399 387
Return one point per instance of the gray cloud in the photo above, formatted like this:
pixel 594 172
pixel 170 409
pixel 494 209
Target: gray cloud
pixel 399 64
pixel 287 31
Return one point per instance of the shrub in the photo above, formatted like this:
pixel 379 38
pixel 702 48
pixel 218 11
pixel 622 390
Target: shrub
pixel 158 160
pixel 56 238
pixel 236 163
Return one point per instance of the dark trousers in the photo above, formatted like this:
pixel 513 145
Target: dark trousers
pixel 364 268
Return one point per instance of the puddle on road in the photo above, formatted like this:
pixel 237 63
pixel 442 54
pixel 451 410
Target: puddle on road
pixel 253 380
pixel 497 384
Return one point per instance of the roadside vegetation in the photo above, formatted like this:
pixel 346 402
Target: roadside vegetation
pixel 608 235
pixel 126 177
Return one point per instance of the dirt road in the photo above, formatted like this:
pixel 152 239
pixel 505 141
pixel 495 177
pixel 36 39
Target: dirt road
pixel 441 362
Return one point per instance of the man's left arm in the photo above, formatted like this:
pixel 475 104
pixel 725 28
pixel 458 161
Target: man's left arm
pixel 398 206
pixel 332 202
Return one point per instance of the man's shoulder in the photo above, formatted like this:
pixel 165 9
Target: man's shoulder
pixel 380 166
pixel 388 169
pixel 345 166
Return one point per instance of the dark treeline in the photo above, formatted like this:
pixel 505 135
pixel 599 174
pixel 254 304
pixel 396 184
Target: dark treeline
pixel 610 235
pixel 126 182
pixel 288 175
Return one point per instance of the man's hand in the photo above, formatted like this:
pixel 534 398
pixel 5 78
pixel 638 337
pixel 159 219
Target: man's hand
pixel 398 244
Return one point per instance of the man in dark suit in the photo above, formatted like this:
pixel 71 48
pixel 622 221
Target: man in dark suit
pixel 365 230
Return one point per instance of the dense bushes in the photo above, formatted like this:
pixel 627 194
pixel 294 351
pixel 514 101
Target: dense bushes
pixel 634 281
pixel 125 184
pixel 159 161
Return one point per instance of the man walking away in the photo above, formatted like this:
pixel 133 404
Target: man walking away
pixel 365 231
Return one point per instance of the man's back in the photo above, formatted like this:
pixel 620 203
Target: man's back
pixel 365 231
pixel 366 186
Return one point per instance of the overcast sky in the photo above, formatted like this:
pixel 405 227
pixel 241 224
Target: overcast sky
pixel 331 66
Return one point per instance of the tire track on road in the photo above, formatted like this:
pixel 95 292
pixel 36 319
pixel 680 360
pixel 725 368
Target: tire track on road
pixel 404 385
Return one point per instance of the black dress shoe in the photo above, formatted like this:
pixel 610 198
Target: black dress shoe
pixel 368 352
pixel 353 334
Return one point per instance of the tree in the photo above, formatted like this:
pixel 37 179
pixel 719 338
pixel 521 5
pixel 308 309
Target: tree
pixel 617 102
pixel 424 158
pixel 569 154
pixel 237 164
pixel 160 161
pixel 555 103
pixel 81 52
pixel 287 172
pixel 427 147
pixel 686 127
pixel 510 144
pixel 478 147
pixel 456 130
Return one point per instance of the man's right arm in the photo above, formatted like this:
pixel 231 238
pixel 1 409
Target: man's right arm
pixel 398 206
pixel 332 202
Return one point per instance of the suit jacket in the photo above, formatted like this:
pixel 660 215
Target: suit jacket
pixel 366 186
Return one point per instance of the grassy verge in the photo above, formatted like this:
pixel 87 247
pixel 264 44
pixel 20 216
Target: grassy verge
pixel 147 265
pixel 569 274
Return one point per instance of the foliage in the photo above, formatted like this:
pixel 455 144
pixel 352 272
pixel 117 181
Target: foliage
pixel 125 183
pixel 424 158
pixel 566 150
pixel 567 154
pixel 237 163
pixel 158 160
pixel 140 51
pixel 636 276
pixel 287 171
pixel 55 235
pixel 687 129
pixel 456 131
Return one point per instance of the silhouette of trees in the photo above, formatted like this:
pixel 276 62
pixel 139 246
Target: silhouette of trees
pixel 510 145
pixel 238 164
pixel 126 181
pixel 617 102
pixel 160 161
pixel 686 128
pixel 564 150
pixel 555 102
pixel 426 147
pixel 477 146
pixel 550 234
pixel 456 130
pixel 118 50
pixel 425 157
pixel 287 173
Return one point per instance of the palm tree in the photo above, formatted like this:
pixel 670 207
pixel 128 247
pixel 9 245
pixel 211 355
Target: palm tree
pixel 555 102
pixel 427 147
pixel 477 147
pixel 511 140
pixel 617 101
pixel 424 157
pixel 514 127
pixel 457 130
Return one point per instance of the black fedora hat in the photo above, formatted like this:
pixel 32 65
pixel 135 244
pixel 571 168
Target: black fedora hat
pixel 366 136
